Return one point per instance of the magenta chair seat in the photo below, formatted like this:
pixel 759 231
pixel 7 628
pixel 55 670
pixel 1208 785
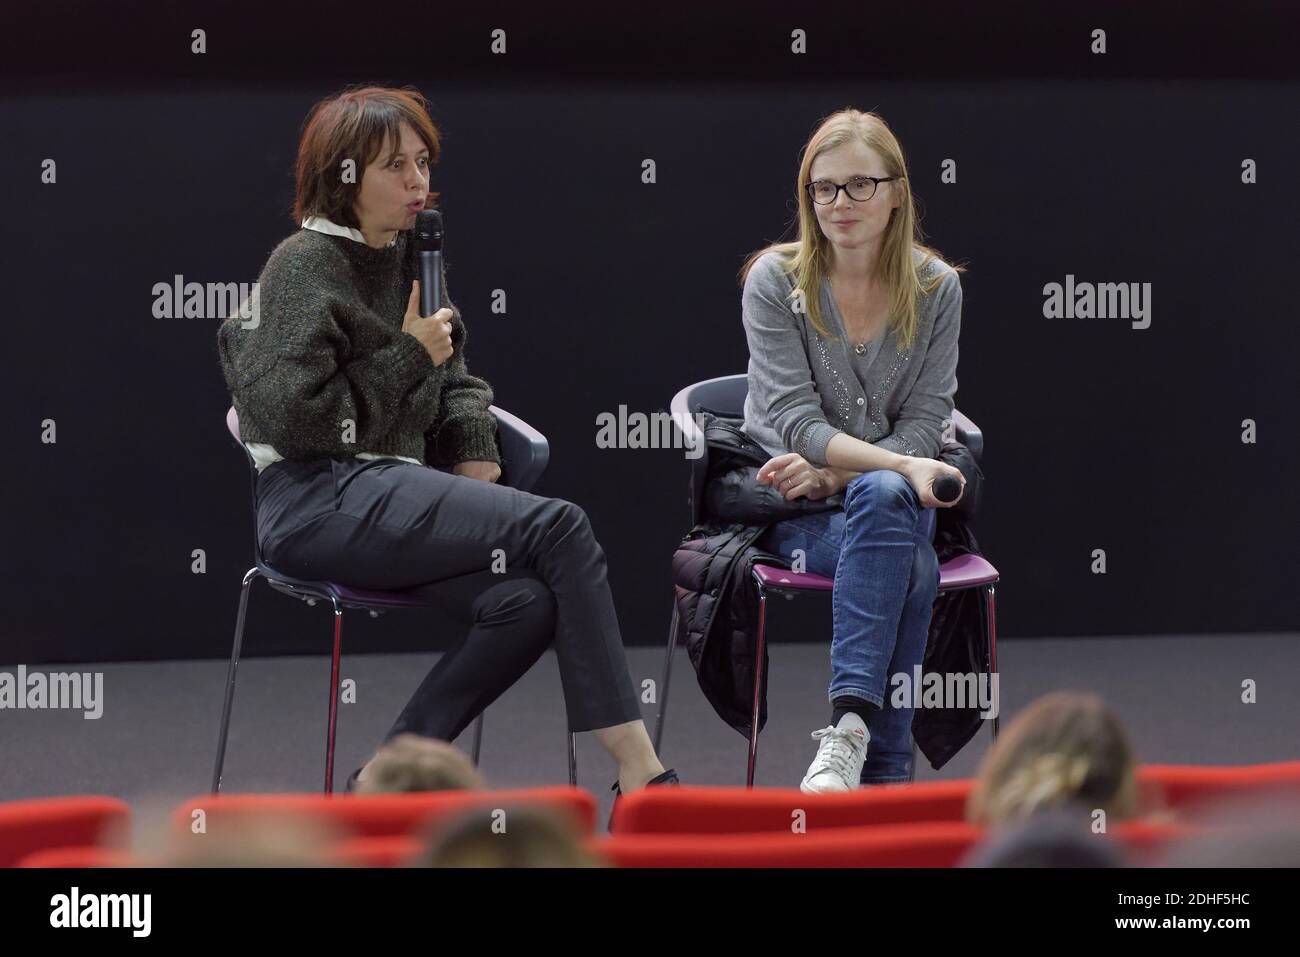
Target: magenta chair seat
pixel 964 571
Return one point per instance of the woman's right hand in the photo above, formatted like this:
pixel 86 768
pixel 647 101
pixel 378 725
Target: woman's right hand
pixel 434 332
pixel 922 473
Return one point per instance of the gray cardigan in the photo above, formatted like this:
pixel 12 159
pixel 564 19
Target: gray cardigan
pixel 803 389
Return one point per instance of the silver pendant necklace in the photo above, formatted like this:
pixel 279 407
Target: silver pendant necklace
pixel 861 347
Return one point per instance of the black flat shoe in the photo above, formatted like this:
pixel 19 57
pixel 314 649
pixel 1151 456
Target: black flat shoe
pixel 669 777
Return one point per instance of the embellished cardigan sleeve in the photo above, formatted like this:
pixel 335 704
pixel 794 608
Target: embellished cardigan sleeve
pixel 780 379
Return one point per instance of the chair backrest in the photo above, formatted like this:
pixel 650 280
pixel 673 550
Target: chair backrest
pixel 81 857
pixel 381 815
pixel 1183 786
pixel 693 809
pixel 393 850
pixel 525 452
pixel 930 844
pixel 725 395
pixel 936 844
pixel 727 810
pixel 49 823
pixel 389 850
pixel 232 426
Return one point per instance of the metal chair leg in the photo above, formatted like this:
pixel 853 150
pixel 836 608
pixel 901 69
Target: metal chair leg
pixel 663 684
pixel 758 687
pixel 334 698
pixel 478 737
pixel 230 680
pixel 992 628
pixel 573 759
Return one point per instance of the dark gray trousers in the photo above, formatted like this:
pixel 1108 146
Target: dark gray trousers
pixel 387 524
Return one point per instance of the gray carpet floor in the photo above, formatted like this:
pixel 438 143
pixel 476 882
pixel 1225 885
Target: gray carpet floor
pixel 1180 696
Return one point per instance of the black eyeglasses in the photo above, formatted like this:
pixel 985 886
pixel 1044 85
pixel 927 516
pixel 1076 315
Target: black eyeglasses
pixel 860 189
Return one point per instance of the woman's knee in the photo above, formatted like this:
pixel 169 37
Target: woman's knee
pixel 571 528
pixel 881 488
pixel 568 516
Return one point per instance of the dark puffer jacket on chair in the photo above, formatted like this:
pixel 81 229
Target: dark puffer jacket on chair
pixel 717 598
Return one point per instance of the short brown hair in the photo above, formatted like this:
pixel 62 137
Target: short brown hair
pixel 411 762
pixel 354 124
pixel 520 836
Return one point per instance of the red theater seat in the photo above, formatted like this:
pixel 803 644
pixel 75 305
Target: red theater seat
pixel 393 850
pixel 1184 785
pixel 78 857
pixel 928 844
pixel 381 815
pixel 931 844
pixel 46 823
pixel 1146 842
pixel 732 810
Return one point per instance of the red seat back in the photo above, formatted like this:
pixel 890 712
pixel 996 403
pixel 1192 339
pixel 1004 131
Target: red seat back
pixel 379 815
pixel 731 810
pixel 930 844
pixel 79 857
pixel 44 823
pixel 392 850
pixel 1186 785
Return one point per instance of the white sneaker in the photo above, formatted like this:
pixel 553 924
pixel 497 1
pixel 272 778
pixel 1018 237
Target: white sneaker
pixel 838 765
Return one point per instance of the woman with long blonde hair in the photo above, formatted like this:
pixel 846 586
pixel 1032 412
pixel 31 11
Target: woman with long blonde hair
pixel 852 332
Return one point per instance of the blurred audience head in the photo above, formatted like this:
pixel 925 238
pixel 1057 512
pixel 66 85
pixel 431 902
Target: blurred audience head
pixel 1057 837
pixel 272 839
pixel 508 837
pixel 410 762
pixel 1067 749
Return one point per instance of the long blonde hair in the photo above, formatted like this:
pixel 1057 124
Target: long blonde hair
pixel 808 257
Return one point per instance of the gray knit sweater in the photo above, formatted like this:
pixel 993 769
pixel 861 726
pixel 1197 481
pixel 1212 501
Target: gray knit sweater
pixel 803 389
pixel 329 349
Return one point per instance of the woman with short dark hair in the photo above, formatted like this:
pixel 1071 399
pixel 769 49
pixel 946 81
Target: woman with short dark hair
pixel 352 405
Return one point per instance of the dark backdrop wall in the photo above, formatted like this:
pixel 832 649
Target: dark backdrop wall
pixel 1098 435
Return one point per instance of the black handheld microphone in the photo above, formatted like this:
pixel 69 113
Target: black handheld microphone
pixel 428 247
pixel 946 488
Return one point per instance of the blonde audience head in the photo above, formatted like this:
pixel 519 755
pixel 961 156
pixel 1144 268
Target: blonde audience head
pixel 1065 749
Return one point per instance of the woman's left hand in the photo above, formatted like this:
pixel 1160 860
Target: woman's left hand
pixel 792 475
pixel 487 471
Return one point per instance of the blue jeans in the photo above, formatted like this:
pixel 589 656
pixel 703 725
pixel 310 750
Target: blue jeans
pixel 879 550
